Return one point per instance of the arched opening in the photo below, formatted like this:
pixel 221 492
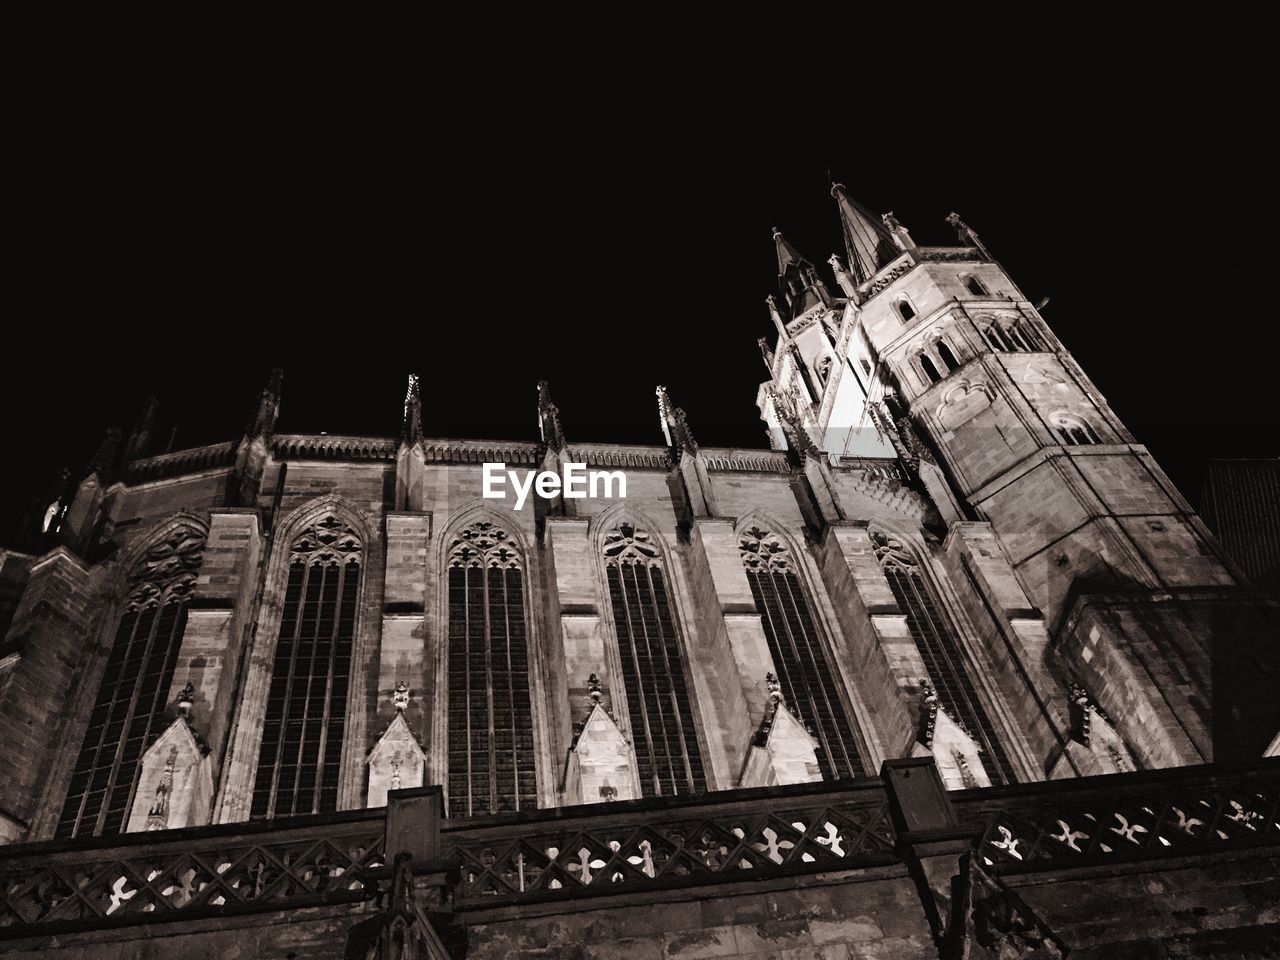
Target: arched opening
pixel 975 286
pixel 653 669
pixel 948 358
pixel 905 311
pixel 930 370
pixel 935 638
pixel 128 713
pixel 810 682
pixel 491 750
pixel 306 709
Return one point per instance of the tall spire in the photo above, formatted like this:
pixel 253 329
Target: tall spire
pixel 869 243
pixel 798 279
pixel 675 425
pixel 411 431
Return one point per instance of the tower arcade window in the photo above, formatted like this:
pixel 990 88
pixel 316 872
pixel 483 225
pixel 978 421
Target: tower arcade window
pixel 653 669
pixel 306 712
pixel 948 358
pixel 808 677
pixel 935 638
pixel 129 710
pixel 975 286
pixel 491 754
pixel 1073 431
pixel 905 310
pixel 929 368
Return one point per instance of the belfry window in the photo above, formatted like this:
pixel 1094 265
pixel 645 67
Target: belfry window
pixel 935 638
pixel 1073 432
pixel 929 368
pixel 810 684
pixel 129 710
pixel 491 753
pixel 905 311
pixel 975 286
pixel 306 711
pixel 948 358
pixel 653 669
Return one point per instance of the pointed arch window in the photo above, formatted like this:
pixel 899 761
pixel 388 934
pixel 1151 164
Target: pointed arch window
pixel 491 751
pixel 936 640
pixel 653 669
pixel 306 710
pixel 809 679
pixel 128 712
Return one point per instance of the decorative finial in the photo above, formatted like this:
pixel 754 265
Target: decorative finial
pixel 187 700
pixel 776 233
pixel 400 697
pixel 964 233
pixel 593 690
pixel 411 430
pixel 549 426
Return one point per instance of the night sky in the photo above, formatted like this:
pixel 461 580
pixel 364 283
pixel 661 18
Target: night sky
pixel 605 255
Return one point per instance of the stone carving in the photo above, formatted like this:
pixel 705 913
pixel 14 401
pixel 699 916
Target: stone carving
pixel 166 572
pixel 627 544
pixel 762 550
pixel 483 544
pixel 991 922
pixel 328 541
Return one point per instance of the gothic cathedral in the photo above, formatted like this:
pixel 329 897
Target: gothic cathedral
pixel 952 562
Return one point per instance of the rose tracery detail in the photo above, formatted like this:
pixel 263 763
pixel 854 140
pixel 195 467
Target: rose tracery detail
pixel 483 544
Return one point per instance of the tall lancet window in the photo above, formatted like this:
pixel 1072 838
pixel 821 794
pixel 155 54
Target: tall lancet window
pixel 491 755
pixel 936 640
pixel 809 680
pixel 129 710
pixel 666 743
pixel 306 715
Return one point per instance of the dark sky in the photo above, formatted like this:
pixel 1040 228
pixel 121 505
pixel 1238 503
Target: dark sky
pixel 183 257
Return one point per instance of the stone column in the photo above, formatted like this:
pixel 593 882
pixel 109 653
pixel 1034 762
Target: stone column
pixel 218 619
pixel 734 655
pixel 43 651
pixel 1014 634
pixel 884 656
pixel 403 654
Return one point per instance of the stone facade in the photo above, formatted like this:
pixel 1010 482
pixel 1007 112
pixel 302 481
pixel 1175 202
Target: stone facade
pixel 953 551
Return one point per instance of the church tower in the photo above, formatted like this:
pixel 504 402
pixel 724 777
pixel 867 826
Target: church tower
pixel 955 366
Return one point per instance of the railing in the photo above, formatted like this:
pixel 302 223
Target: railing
pixel 205 871
pixel 610 848
pixel 1123 817
pixel 625 847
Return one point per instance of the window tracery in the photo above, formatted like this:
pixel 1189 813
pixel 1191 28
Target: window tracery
pixel 653 671
pixel 306 708
pixel 128 712
pixel 807 677
pixel 939 648
pixel 491 750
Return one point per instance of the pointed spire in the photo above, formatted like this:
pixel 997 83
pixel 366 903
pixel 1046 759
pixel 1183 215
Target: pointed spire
pixel 868 242
pixel 798 279
pixel 411 430
pixel 788 256
pixel 263 423
pixel 549 427
pixel 140 437
pixel 675 425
